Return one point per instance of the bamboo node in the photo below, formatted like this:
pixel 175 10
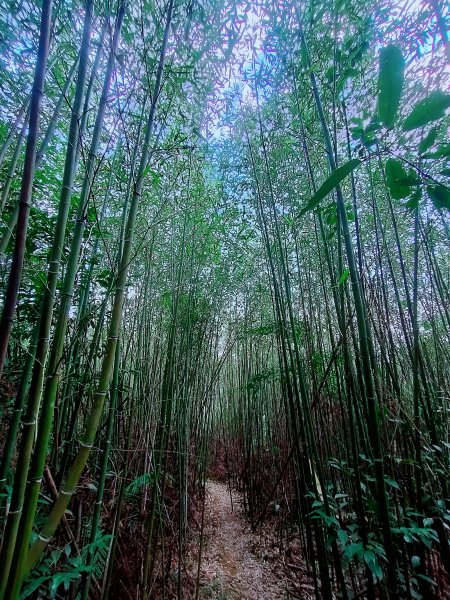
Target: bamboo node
pixel 84 445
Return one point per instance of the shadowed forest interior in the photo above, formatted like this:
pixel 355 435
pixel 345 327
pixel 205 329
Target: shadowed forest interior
pixel 225 299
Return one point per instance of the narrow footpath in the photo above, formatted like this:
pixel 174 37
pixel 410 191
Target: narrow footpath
pixel 231 567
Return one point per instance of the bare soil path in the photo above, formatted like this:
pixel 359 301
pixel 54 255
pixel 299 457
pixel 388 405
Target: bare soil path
pixel 231 569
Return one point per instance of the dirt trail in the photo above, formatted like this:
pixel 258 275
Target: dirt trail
pixel 230 570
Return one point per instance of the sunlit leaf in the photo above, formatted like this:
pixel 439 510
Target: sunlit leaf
pixel 343 277
pixel 330 184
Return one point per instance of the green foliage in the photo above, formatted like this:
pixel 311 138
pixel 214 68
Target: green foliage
pixel 390 84
pixel 428 140
pixel 367 135
pixel 344 276
pixel 66 578
pixel 440 196
pixel 414 533
pixel 96 553
pixel 239 322
pixel 430 109
pixel 139 482
pixel 263 330
pixel 397 179
pixel 372 554
pixel 441 151
pixel 256 381
pixel 330 184
pixel 69 571
pixel 69 568
pixel 33 585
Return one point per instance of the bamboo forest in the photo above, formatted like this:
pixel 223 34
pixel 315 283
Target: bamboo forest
pixel 224 299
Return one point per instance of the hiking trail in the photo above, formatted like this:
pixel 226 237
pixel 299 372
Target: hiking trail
pixel 231 569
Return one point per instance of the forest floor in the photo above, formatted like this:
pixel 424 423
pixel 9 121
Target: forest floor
pixel 238 564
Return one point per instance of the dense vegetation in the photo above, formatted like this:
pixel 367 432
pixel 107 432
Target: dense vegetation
pixel 224 252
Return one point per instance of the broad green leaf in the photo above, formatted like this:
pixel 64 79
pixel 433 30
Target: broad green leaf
pixel 390 84
pixel 441 152
pixel 440 196
pixel 428 110
pixel 372 562
pixel 55 556
pixel 343 277
pixel 329 184
pixel 410 179
pixel 343 536
pixel 396 177
pixel 354 549
pixel 392 483
pixel 428 140
pixel 413 202
pixel 32 586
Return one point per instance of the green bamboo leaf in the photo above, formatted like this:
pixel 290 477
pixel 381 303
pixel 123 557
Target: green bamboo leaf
pixel 430 109
pixel 354 549
pixel 32 586
pixel 396 177
pixel 329 184
pixel 392 483
pixel 390 84
pixel 428 140
pixel 414 200
pixel 343 277
pixel 441 152
pixel 343 536
pixel 439 195
pixel 372 562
